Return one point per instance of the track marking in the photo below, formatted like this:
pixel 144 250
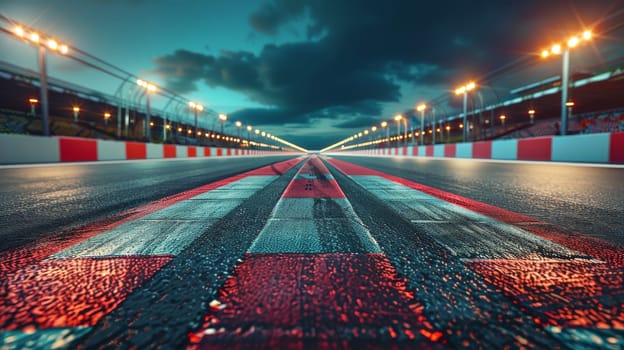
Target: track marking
pixel 312 211
pixel 70 281
pixel 564 294
pixel 314 255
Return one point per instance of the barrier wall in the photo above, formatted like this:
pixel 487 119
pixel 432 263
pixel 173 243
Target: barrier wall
pixel 591 148
pixel 21 149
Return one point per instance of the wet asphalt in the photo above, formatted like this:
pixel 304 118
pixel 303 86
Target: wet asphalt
pixel 584 199
pixel 37 201
pixel 459 304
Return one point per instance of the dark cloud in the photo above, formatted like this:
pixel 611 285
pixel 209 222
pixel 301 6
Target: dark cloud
pixel 268 116
pixel 272 15
pixel 360 51
pixel 355 123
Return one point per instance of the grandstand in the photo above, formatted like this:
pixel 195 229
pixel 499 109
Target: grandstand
pixel 598 108
pixel 19 85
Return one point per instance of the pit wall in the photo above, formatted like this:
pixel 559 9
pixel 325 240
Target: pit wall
pixel 590 148
pixel 22 149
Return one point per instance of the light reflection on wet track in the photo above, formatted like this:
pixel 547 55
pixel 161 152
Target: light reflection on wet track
pixel 405 263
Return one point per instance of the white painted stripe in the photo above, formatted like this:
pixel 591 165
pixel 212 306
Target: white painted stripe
pixel 314 177
pixel 505 149
pixel 581 148
pixel 296 224
pixel 111 150
pixel 463 150
pixel 53 338
pixel 171 229
pixel 181 151
pixel 438 151
pixel 502 161
pixel 154 151
pixel 140 237
pixel 29 149
pixel 303 208
pixel 466 233
pixel 287 236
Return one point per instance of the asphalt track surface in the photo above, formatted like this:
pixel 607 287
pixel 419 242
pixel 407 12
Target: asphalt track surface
pixel 311 253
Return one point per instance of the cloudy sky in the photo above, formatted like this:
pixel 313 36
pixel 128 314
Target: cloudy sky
pixel 311 71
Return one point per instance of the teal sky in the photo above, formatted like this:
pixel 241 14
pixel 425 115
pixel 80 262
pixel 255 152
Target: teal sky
pixel 313 72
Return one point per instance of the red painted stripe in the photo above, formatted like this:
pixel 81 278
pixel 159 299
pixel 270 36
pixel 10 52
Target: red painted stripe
pixel 169 151
pixel 77 150
pixel 429 150
pixel 11 261
pixel 482 150
pixel 535 149
pixel 71 292
pixel 404 150
pixel 283 300
pixel 229 151
pixel 277 168
pixel 206 151
pixel 313 188
pixel 192 151
pixel 561 293
pixel 415 150
pixel 236 151
pixel 219 152
pixel 136 150
pixel 616 148
pixel 597 248
pixel 450 150
pixel 302 188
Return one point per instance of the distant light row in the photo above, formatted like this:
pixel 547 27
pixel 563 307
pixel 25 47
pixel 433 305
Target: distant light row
pixel 38 39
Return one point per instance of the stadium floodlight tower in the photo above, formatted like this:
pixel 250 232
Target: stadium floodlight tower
pixel 222 119
pixel 384 125
pixel 398 118
pixel 196 107
pixel 44 43
pixel 464 90
pixel 421 108
pixel 149 89
pixel 564 51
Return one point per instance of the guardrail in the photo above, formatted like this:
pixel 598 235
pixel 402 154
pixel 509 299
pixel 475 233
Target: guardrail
pixel 589 148
pixel 22 149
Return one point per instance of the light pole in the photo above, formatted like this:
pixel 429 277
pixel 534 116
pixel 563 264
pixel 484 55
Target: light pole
pixel 33 104
pixel 398 119
pixel 106 118
pixel 76 110
pixel 463 90
pixel 35 38
pixel 222 119
pixel 421 108
pixel 384 125
pixel 196 107
pixel 532 115
pixel 249 129
pixel 569 106
pixel 374 130
pixel 557 49
pixel 149 89
pixel 239 125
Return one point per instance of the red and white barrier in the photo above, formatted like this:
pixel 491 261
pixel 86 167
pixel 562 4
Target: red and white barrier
pixel 591 148
pixel 21 149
